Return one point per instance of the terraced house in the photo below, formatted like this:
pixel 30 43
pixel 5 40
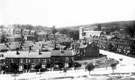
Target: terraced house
pixel 24 60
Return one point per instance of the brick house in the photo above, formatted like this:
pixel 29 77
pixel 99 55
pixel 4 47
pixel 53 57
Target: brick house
pixel 60 57
pixel 23 58
pixel 88 50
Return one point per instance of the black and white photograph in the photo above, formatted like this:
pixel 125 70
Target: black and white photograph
pixel 67 39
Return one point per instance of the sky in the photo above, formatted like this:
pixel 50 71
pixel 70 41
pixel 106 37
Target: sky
pixel 62 13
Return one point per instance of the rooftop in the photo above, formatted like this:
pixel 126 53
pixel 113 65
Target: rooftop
pixel 26 54
pixel 62 53
pixel 3 47
pixel 14 45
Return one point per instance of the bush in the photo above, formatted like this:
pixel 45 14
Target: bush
pixel 76 65
pixel 90 67
pixel 38 67
pixel 113 66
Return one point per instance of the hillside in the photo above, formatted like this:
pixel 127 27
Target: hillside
pixel 120 24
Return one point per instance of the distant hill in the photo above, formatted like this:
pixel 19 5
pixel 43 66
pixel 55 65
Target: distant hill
pixel 120 24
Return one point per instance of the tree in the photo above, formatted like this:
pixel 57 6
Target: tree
pixel 110 47
pixel 130 30
pixel 64 31
pixel 74 34
pixel 54 30
pixel 90 67
pixel 26 67
pixel 4 38
pixel 38 67
pixel 76 65
pixel 3 68
pixel 39 28
pixel 28 26
pixel 85 63
pixel 15 68
pixel 113 66
pixel 70 33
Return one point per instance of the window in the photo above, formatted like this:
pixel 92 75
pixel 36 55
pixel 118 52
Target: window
pixel 21 60
pixel 26 60
pixel 6 61
pixel 29 60
pixel 12 61
pixel 44 60
pixel 39 60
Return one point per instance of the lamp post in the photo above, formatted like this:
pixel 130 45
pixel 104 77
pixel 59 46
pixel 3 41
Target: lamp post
pixel 121 59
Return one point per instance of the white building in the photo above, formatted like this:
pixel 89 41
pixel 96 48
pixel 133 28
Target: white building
pixel 86 32
pixel 7 29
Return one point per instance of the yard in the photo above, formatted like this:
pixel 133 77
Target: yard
pixel 101 62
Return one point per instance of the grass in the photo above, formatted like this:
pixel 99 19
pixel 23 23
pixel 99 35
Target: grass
pixel 99 62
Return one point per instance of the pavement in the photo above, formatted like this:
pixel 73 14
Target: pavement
pixel 71 74
pixel 126 68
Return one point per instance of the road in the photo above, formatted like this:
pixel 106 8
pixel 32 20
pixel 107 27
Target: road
pixel 126 59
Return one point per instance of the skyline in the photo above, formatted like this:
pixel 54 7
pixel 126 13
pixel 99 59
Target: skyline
pixel 63 13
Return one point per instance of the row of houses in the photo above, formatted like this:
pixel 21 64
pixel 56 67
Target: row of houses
pixel 17 34
pixel 114 41
pixel 33 46
pixel 28 35
pixel 35 53
pixel 123 46
pixel 22 58
pixel 65 53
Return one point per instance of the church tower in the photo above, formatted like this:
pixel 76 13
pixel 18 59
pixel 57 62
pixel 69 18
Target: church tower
pixel 81 32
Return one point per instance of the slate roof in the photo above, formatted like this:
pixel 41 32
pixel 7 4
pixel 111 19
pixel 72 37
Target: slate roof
pixel 43 55
pixel 3 47
pixel 26 54
pixel 49 43
pixel 12 54
pixel 27 44
pixel 36 47
pixel 42 33
pixel 14 45
pixel 59 53
pixel 44 42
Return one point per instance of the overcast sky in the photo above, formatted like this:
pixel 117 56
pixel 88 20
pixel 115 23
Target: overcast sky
pixel 63 13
